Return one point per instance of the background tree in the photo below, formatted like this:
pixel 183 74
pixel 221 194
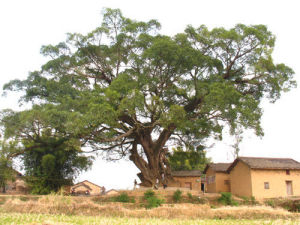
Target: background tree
pixel 130 91
pixel 6 165
pixel 51 158
pixel 238 138
pixel 190 159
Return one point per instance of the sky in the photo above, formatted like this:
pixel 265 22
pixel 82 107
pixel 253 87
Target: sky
pixel 27 25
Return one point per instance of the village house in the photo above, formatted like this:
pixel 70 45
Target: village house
pixel 264 177
pixel 188 179
pixel 112 192
pixel 16 185
pixel 87 188
pixel 217 178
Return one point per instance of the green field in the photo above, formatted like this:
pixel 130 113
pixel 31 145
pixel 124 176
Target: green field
pixel 34 219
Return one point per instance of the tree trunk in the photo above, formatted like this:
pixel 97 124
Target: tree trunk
pixel 155 171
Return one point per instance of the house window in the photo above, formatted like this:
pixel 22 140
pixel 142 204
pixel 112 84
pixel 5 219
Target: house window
pixel 267 186
pixel 287 172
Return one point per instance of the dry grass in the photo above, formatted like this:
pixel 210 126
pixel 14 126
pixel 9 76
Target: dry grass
pixel 85 206
pixel 46 219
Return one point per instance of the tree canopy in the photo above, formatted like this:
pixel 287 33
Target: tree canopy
pixel 129 91
pixel 51 158
pixel 189 159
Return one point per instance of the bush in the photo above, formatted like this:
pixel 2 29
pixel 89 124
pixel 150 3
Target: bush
pixel 270 202
pixel 149 193
pixel 151 200
pixel 123 197
pixel 249 201
pixel 24 198
pixel 177 196
pixel 226 199
pixel 190 196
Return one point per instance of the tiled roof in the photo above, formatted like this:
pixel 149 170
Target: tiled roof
pixel 186 173
pixel 267 163
pixel 217 167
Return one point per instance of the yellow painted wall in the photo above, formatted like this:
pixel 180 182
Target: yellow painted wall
pixel 196 182
pixel 277 183
pixel 220 182
pixel 210 188
pixel 240 180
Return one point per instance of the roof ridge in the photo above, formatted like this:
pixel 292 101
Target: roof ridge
pixel 250 157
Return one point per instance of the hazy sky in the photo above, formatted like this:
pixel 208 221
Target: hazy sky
pixel 27 25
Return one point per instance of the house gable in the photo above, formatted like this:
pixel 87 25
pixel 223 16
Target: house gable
pixel 240 179
pixel 93 189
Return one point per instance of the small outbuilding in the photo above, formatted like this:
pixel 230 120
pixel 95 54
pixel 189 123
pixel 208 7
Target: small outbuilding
pixel 217 178
pixel 190 179
pixel 112 192
pixel 86 188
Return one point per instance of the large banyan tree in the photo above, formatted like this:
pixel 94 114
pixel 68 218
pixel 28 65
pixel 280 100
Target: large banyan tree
pixel 126 90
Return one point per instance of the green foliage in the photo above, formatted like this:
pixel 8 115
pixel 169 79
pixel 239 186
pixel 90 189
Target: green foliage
pixel 196 199
pixel 190 159
pixel 249 201
pixel 6 171
pixel 124 86
pixel 177 196
pixel 152 201
pixel 270 202
pixel 149 193
pixel 123 197
pixel 51 157
pixel 226 199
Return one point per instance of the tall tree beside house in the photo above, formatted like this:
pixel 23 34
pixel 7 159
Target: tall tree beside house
pixel 189 159
pixel 51 158
pixel 128 91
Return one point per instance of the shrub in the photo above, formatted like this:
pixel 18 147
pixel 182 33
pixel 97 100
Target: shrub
pixel 253 200
pixel 190 196
pixel 177 196
pixel 270 202
pixel 226 199
pixel 24 198
pixel 149 193
pixel 153 202
pixel 123 197
pixel 249 201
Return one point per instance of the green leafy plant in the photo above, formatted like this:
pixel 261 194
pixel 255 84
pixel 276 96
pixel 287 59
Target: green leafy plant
pixel 123 197
pixel 177 196
pixel 149 193
pixel 226 199
pixel 270 202
pixel 190 196
pixel 152 201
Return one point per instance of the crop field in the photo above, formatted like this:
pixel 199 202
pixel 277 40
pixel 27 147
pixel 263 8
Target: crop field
pixel 46 219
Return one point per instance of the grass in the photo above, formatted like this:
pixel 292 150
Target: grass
pixel 63 209
pixel 46 219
